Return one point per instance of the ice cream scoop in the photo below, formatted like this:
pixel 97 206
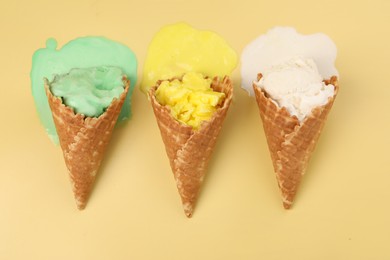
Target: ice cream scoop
pixel 296 85
pixel 89 91
pixel 191 100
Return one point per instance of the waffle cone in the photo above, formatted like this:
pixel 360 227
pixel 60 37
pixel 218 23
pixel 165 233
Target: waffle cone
pixel 84 140
pixel 189 150
pixel 290 142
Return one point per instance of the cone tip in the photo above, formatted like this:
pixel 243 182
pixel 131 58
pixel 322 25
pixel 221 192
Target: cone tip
pixel 188 209
pixel 80 204
pixel 287 204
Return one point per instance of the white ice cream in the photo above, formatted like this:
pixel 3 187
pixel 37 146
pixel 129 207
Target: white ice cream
pixel 281 44
pixel 296 85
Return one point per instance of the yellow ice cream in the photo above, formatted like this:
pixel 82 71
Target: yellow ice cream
pixel 191 99
pixel 179 48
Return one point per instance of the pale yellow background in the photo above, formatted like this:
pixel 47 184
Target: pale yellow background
pixel 341 211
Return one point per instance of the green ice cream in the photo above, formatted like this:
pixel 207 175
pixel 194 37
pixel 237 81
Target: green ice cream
pixel 89 91
pixel 85 52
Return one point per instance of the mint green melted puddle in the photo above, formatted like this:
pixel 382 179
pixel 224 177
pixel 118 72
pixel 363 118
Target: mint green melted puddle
pixel 85 52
